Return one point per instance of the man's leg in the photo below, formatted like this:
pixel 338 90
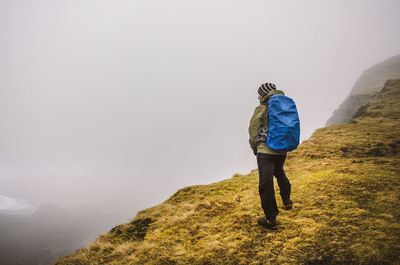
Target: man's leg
pixel 283 181
pixel 266 167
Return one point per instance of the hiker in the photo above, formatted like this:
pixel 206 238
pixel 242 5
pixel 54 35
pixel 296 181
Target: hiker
pixel 270 162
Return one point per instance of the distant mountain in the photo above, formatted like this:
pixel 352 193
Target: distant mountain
pixel 369 83
pixel 51 231
pixel 9 205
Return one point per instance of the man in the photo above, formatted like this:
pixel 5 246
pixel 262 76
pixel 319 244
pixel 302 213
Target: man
pixel 270 162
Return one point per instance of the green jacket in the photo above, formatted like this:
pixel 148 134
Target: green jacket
pixel 258 128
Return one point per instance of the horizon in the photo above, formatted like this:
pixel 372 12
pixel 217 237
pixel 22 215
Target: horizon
pixel 136 100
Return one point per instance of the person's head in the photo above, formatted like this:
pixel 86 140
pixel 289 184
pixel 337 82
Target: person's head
pixel 264 89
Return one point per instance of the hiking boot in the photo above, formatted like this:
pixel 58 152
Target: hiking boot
pixel 288 204
pixel 270 224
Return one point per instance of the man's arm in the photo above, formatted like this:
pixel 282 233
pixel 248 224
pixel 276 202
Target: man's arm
pixel 254 127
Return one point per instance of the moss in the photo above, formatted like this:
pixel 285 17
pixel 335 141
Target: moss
pixel 135 230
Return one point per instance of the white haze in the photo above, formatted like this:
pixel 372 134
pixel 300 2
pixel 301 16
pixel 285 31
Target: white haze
pixel 103 100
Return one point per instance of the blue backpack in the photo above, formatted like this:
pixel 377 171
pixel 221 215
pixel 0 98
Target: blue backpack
pixel 283 124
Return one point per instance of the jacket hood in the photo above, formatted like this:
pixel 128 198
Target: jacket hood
pixel 271 93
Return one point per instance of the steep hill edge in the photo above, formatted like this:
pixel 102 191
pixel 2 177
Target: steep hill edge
pixel 345 186
pixel 369 83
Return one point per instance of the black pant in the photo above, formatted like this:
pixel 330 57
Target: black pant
pixel 268 166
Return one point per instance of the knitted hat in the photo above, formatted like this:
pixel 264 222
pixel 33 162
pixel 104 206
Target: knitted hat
pixel 264 89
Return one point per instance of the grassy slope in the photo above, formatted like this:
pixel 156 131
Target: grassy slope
pixel 345 186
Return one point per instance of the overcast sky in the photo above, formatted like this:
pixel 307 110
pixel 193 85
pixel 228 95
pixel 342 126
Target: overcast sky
pixel 108 99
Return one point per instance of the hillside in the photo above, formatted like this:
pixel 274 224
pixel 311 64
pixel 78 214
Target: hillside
pixel 345 188
pixel 369 83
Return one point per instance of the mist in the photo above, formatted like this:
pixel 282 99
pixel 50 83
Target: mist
pixel 110 100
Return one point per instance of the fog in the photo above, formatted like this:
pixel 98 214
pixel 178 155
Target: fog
pixel 108 100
